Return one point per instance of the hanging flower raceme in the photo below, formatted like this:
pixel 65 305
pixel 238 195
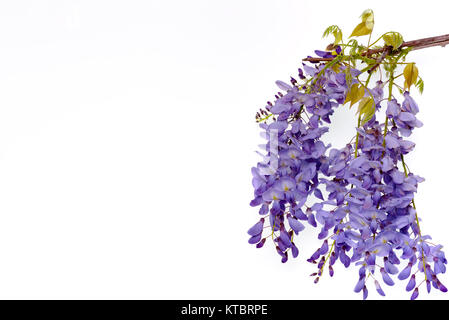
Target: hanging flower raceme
pixel 361 197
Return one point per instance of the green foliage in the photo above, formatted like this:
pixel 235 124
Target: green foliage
pixel 390 65
pixel 335 31
pixel 366 109
pixel 420 85
pixel 355 94
pixel 393 39
pixel 354 47
pixel 360 30
pixel 410 75
pixel 367 15
pixel 366 26
pixel 404 52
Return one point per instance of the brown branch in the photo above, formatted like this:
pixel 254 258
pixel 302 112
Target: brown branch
pixel 317 59
pixel 415 44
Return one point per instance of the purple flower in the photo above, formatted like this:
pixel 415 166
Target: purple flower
pixel 389 267
pixel 311 220
pixel 414 294
pixel 282 85
pixel 324 54
pixel 272 194
pixel 331 271
pixel 295 250
pixel 285 184
pixel 405 273
pixel 360 284
pixel 379 288
pixel 365 293
pixel 393 108
pixel 295 225
pixel 324 248
pixel 411 284
pixel 386 278
pixel 257 228
pixel 261 243
pixel 255 239
pixel 391 142
pixel 285 238
pixel 344 258
pixel 441 287
pixel 409 104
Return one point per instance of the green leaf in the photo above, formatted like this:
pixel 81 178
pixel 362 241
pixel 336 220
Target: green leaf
pixel 410 75
pixel 420 85
pixel 393 39
pixel 368 115
pixel 350 94
pixel 365 105
pixel 355 94
pixel 358 95
pixel 338 36
pixel 360 30
pixel 328 31
pixel 335 31
pixel 354 45
pixel 366 109
pixel 366 26
pixel 367 15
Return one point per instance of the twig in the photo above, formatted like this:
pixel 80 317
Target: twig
pixel 310 59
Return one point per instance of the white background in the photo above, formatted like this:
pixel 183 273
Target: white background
pixel 127 135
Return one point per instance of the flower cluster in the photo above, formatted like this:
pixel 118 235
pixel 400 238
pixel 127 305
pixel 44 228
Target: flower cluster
pixel 360 196
pixel 294 157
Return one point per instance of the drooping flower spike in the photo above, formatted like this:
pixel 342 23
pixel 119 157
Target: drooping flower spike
pixel 361 196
